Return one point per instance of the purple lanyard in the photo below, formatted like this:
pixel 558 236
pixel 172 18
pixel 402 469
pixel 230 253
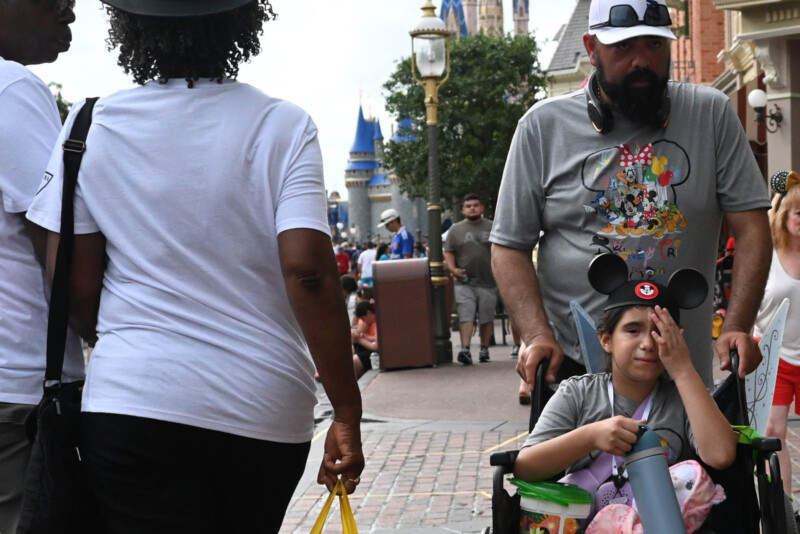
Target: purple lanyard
pixel 606 464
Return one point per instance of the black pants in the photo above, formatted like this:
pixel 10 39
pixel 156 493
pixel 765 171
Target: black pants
pixel 363 354
pixel 152 477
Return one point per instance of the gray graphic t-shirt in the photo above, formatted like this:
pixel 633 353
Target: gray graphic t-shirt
pixel 655 197
pixel 582 400
pixel 469 242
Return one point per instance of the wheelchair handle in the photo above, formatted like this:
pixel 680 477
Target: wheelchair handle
pixel 740 392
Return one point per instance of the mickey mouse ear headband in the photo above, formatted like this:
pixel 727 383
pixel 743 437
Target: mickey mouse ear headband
pixel 781 182
pixel 608 274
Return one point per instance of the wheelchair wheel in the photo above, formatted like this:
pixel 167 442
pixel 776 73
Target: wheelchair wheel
pixel 792 518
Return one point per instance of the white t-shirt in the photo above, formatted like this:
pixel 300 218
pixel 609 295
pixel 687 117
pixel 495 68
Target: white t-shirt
pixel 781 286
pixel 190 188
pixel 29 124
pixel 365 260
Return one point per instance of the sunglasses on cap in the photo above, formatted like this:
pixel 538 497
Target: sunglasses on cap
pixel 624 16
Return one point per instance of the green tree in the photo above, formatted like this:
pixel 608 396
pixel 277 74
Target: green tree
pixel 63 104
pixel 494 81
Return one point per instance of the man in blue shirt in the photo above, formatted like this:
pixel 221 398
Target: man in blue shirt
pixel 402 240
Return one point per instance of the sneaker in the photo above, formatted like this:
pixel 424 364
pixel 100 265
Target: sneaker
pixel 465 357
pixel 515 351
pixel 483 355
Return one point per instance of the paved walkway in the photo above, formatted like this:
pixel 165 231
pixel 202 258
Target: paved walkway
pixel 427 436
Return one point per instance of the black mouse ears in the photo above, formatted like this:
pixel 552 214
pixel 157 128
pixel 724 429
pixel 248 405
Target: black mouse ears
pixel 608 274
pixel 689 288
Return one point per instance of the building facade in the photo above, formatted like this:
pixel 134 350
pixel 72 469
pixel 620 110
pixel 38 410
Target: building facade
pixel 762 50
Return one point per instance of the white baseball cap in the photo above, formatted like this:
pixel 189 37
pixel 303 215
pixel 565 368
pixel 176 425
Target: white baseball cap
pixel 631 18
pixel 388 216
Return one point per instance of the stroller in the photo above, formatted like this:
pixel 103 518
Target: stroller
pixel 749 505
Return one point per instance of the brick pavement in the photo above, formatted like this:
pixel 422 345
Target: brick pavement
pixel 431 476
pixel 417 475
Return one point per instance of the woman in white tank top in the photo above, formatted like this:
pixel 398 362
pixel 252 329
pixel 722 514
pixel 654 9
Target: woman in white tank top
pixel 784 282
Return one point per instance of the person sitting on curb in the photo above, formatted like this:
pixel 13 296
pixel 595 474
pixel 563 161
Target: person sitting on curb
pixel 365 337
pixel 349 288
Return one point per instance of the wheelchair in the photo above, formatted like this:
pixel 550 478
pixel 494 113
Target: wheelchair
pixel 750 506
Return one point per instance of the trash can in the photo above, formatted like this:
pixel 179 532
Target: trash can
pixel 404 309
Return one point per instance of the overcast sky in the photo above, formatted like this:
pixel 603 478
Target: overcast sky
pixel 324 55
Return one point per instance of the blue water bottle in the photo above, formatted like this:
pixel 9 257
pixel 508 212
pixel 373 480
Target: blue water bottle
pixel 652 487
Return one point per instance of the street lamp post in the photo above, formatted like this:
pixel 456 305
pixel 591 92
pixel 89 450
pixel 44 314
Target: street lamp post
pixel 431 55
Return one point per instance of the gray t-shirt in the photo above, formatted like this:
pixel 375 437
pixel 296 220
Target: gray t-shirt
pixel 655 197
pixel 469 242
pixel 582 400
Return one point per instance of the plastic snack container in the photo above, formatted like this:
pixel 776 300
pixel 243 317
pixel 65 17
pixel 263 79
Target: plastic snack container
pixel 552 507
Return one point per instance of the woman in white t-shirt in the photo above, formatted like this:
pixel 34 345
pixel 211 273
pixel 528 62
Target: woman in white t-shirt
pixel 784 282
pixel 203 263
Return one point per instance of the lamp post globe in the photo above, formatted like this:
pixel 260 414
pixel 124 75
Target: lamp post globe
pixel 757 98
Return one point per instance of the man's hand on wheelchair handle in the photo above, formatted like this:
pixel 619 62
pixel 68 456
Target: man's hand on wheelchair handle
pixel 745 344
pixel 542 346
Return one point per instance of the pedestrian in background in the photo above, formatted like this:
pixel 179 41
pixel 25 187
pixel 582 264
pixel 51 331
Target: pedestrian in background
pixel 382 252
pixel 365 261
pixel 31 32
pixel 203 262
pixel 402 246
pixel 784 282
pixel 365 337
pixel 349 288
pixel 342 259
pixel 469 259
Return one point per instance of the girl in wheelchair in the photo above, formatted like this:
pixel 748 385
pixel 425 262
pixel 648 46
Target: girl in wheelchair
pixel 591 421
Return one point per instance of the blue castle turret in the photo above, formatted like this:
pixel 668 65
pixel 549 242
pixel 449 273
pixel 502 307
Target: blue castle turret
pixel 371 189
pixel 452 13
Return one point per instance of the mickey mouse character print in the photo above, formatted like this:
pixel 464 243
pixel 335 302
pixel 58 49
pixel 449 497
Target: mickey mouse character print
pixel 646 291
pixel 635 188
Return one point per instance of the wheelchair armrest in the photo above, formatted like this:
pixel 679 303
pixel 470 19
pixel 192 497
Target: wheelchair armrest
pixel 504 459
pixel 766 444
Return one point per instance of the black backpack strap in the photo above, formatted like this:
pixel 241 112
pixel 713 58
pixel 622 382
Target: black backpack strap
pixel 58 317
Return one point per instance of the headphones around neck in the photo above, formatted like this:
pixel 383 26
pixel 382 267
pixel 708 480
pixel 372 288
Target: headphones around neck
pixel 601 115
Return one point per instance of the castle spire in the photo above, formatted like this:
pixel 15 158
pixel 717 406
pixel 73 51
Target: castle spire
pixel 452 13
pixel 521 17
pixel 365 134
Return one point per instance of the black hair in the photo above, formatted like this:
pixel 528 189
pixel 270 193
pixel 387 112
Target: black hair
pixel 363 307
pixel 381 250
pixel 365 293
pixel 473 196
pixel 608 322
pixel 349 283
pixel 210 46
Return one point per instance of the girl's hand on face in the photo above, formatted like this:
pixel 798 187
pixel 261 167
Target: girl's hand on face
pixel 672 348
pixel 615 435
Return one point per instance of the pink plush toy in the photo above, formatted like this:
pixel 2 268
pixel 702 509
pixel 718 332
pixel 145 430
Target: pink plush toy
pixel 696 493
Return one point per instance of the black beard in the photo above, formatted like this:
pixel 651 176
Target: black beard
pixel 640 104
pixel 474 218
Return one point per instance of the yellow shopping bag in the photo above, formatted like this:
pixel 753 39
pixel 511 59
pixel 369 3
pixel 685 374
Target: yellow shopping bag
pixel 348 521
